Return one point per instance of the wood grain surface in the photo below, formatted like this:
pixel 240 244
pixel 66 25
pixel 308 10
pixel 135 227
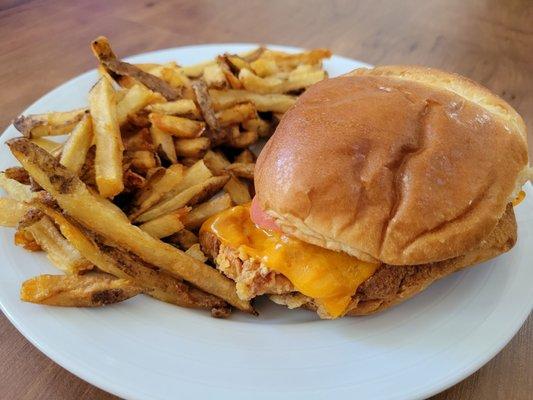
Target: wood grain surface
pixel 45 43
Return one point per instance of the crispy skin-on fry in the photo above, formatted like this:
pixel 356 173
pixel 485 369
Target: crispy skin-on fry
pixel 214 77
pixel 189 196
pixel 108 159
pixel 18 174
pixel 140 140
pixel 199 214
pixel 11 211
pixel 92 290
pixel 54 148
pixel 289 61
pixel 242 140
pixel 182 107
pixel 15 189
pixel 171 74
pixel 216 162
pixel 58 250
pixel 125 265
pixel 196 70
pixel 133 181
pixel 236 62
pixel 49 124
pixel 234 82
pixel 263 102
pixel 264 67
pixel 294 82
pixel 236 114
pixel 238 191
pixel 177 126
pixel 164 144
pixel 156 188
pixel 204 101
pixel 262 127
pixel 25 239
pixel 242 170
pixel 142 160
pixel 135 100
pixel 195 148
pixel 78 144
pixel 246 157
pixel 165 225
pixel 73 196
pixel 184 238
pixel 196 252
pixel 102 51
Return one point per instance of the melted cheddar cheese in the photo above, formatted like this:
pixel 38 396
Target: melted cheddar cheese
pixel 329 277
pixel 520 198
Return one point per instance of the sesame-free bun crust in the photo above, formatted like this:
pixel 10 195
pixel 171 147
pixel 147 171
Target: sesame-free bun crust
pixel 404 165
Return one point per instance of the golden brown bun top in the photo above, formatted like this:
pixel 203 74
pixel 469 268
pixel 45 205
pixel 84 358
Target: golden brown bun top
pixel 405 165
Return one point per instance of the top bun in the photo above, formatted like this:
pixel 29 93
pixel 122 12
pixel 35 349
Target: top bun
pixel 400 164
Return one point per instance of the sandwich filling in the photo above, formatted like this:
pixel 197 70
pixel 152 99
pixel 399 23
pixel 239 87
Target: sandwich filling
pixel 330 278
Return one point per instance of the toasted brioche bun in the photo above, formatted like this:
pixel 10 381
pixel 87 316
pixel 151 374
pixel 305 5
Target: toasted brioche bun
pixel 401 165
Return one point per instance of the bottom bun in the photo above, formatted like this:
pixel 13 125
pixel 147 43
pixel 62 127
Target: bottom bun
pixel 391 285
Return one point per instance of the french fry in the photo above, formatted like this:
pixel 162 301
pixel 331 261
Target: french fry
pixel 146 67
pixel 263 102
pixel 195 148
pixel 196 252
pixel 184 238
pixel 49 124
pixel 171 74
pixel 12 211
pixel 199 214
pixel 214 77
pixel 189 196
pixel 25 239
pixel 183 108
pixel 196 70
pixel 74 198
pixel 164 144
pixel 108 159
pixel 177 126
pixel 245 157
pixel 18 174
pixel 242 140
pixel 216 162
pixel 238 191
pixel 58 250
pixel 262 127
pixel 139 140
pixel 242 170
pixel 135 100
pixel 142 161
pixel 233 81
pixel 236 62
pixel 15 189
pixel 156 188
pixel 78 144
pixel 205 103
pixel 133 181
pixel 289 61
pixel 165 225
pixel 92 290
pixel 54 148
pixel 104 54
pixel 264 67
pixel 237 114
pixel 294 82
pixel 124 265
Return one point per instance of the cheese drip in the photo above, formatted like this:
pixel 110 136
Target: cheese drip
pixel 331 278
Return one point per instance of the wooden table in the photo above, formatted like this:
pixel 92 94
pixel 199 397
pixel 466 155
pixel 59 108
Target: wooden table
pixel 45 43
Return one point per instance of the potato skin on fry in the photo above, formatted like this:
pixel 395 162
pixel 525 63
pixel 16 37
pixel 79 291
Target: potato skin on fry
pixel 92 290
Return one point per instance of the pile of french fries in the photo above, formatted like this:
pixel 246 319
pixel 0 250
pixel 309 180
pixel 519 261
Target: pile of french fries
pixel 160 149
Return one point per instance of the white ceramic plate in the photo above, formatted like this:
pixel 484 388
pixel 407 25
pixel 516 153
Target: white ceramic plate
pixel 145 349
